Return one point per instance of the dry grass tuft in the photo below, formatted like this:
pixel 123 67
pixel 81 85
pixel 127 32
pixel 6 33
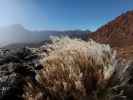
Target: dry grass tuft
pixel 72 70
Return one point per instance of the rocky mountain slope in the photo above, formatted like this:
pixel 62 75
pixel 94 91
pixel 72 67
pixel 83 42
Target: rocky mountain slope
pixel 117 33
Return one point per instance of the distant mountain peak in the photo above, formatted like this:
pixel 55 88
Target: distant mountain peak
pixel 17 34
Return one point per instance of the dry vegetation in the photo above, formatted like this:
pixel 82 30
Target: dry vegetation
pixel 73 70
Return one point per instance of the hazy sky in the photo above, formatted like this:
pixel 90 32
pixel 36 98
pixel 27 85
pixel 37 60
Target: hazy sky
pixel 61 14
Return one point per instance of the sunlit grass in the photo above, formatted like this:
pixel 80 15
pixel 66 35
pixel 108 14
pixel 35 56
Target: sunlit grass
pixel 72 69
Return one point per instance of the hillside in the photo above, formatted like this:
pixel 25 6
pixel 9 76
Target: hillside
pixel 118 33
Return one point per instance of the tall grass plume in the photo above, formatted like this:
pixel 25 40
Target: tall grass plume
pixel 73 69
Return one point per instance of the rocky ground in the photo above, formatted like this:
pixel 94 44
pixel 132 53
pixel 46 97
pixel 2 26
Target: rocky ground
pixel 15 66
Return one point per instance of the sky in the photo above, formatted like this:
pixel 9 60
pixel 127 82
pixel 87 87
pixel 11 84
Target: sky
pixel 61 14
